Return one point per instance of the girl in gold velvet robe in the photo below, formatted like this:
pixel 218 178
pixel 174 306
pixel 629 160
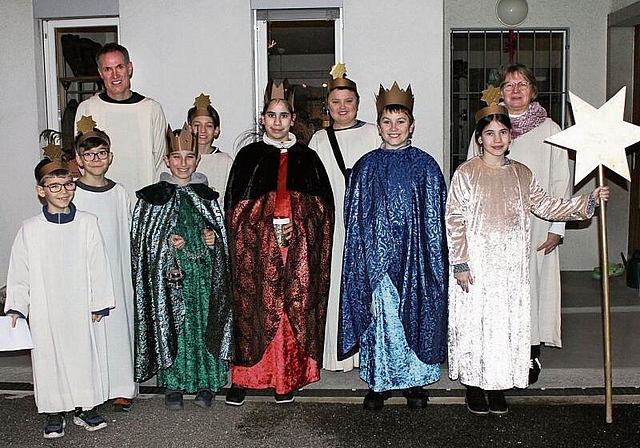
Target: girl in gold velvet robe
pixel 488 220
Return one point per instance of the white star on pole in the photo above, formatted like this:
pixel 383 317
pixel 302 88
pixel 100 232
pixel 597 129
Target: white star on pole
pixel 599 136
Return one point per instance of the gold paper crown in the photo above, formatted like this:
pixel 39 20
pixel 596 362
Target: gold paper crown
pixel 339 78
pixel 394 96
pixel 86 127
pixel 183 141
pixel 202 102
pixel 491 96
pixel 282 91
pixel 54 154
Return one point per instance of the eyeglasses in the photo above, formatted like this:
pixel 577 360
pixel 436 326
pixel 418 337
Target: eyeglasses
pixel 91 156
pixel 56 188
pixel 509 86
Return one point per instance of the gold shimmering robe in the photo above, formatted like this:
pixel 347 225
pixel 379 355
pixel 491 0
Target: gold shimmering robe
pixel 488 220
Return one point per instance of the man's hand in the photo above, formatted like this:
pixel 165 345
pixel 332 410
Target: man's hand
pixel 553 240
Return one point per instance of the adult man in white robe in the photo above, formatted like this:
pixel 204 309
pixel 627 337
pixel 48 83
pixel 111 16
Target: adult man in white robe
pixel 135 124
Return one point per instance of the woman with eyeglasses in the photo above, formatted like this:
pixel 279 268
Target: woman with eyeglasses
pixel 530 127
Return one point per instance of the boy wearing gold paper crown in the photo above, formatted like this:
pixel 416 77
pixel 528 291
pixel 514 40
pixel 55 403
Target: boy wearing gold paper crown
pixel 339 146
pixel 68 358
pixel 182 280
pixel 488 217
pixel 109 201
pixel 214 163
pixel 393 298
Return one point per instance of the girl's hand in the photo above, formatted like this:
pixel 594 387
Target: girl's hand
pixel 176 241
pixel 464 279
pixel 601 193
pixel 209 237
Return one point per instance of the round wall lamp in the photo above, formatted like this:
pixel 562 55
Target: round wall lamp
pixel 511 12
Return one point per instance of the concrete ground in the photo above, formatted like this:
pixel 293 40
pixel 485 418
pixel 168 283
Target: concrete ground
pixel 564 409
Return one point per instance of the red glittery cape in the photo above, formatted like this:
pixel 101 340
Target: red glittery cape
pixel 263 285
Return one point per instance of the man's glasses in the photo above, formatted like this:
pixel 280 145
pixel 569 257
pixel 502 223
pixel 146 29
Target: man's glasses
pixel 56 188
pixel 509 86
pixel 91 156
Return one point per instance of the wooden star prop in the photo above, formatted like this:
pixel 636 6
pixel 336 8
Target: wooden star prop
pixel 202 101
pixel 491 95
pixel 53 152
pixel 86 124
pixel 599 136
pixel 339 70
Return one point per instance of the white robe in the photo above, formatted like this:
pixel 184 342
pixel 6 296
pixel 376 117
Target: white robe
pixel 138 139
pixel 216 167
pixel 58 275
pixel 550 165
pixel 354 143
pixel 113 210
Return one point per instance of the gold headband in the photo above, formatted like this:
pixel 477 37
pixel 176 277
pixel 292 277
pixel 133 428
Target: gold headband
pixel 491 96
pixel 339 78
pixel 86 127
pixel 202 103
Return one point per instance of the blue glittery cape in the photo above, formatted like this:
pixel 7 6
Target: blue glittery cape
pixel 394 220
pixel 159 309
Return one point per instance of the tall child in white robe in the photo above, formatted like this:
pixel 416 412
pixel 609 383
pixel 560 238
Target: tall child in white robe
pixel 59 277
pixel 109 201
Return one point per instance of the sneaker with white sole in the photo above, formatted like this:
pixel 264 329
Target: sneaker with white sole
pixel 54 427
pixel 89 420
pixel 235 395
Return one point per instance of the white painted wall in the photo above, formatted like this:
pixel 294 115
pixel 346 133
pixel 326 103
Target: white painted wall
pixel 19 130
pixel 587 24
pixel 213 54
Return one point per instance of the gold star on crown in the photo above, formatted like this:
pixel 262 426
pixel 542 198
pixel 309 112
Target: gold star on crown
pixel 86 124
pixel 87 129
pixel 339 70
pixel 339 78
pixel 53 152
pixel 491 95
pixel 202 101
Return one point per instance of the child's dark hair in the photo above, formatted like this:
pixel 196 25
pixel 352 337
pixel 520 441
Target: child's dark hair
pixel 396 108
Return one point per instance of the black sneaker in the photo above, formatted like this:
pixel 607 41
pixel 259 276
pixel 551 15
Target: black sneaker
pixel 476 401
pixel 417 397
pixel 54 427
pixel 235 395
pixel 534 370
pixel 203 398
pixel 173 400
pixel 285 398
pixel 90 420
pixel 497 402
pixel 374 401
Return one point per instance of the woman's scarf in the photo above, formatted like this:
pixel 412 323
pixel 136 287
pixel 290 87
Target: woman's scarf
pixel 532 118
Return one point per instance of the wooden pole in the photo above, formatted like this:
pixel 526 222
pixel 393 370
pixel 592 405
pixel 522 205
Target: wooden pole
pixel 606 315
